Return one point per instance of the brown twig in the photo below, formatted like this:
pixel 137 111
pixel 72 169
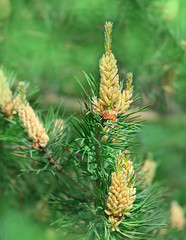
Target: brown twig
pixel 51 160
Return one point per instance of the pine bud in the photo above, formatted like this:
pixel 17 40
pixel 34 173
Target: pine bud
pixel 42 210
pixel 177 216
pixel 111 100
pixel 149 168
pixel 5 92
pixel 7 104
pixel 33 127
pixel 22 92
pixel 121 192
pixel 183 44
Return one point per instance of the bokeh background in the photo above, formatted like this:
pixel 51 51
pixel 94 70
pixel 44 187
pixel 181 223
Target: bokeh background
pixel 50 42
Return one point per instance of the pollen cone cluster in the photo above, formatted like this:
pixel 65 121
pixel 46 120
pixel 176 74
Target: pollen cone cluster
pixel 111 100
pixel 33 127
pixel 5 92
pixel 7 104
pixel 177 216
pixel 149 168
pixel 121 192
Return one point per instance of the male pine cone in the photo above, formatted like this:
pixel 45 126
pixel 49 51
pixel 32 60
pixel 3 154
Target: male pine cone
pixel 33 127
pixel 121 192
pixel 111 100
pixel 7 104
pixel 5 92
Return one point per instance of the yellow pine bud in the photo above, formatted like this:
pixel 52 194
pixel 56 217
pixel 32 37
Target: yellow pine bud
pixel 7 104
pixel 111 100
pixel 183 44
pixel 42 210
pixel 177 216
pixel 5 92
pixel 123 104
pixel 127 166
pixel 22 92
pixel 108 39
pixel 149 168
pixel 33 127
pixel 8 109
pixel 11 107
pixel 121 192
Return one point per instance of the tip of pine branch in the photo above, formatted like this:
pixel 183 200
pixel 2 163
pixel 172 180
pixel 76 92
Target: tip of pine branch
pixel 22 92
pixel 108 39
pixel 129 80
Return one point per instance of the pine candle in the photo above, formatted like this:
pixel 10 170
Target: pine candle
pixel 121 192
pixel 111 100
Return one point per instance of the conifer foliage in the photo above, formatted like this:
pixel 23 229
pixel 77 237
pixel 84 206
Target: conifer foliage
pixel 92 161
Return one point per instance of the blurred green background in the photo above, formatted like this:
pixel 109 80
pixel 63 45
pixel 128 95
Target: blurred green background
pixel 49 42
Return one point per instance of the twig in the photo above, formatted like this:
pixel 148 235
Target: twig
pixel 59 168
pixel 51 160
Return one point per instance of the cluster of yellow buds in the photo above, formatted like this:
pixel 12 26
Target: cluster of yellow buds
pixel 177 216
pixel 35 130
pixel 5 92
pixel 149 168
pixel 7 104
pixel 121 192
pixel 111 100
